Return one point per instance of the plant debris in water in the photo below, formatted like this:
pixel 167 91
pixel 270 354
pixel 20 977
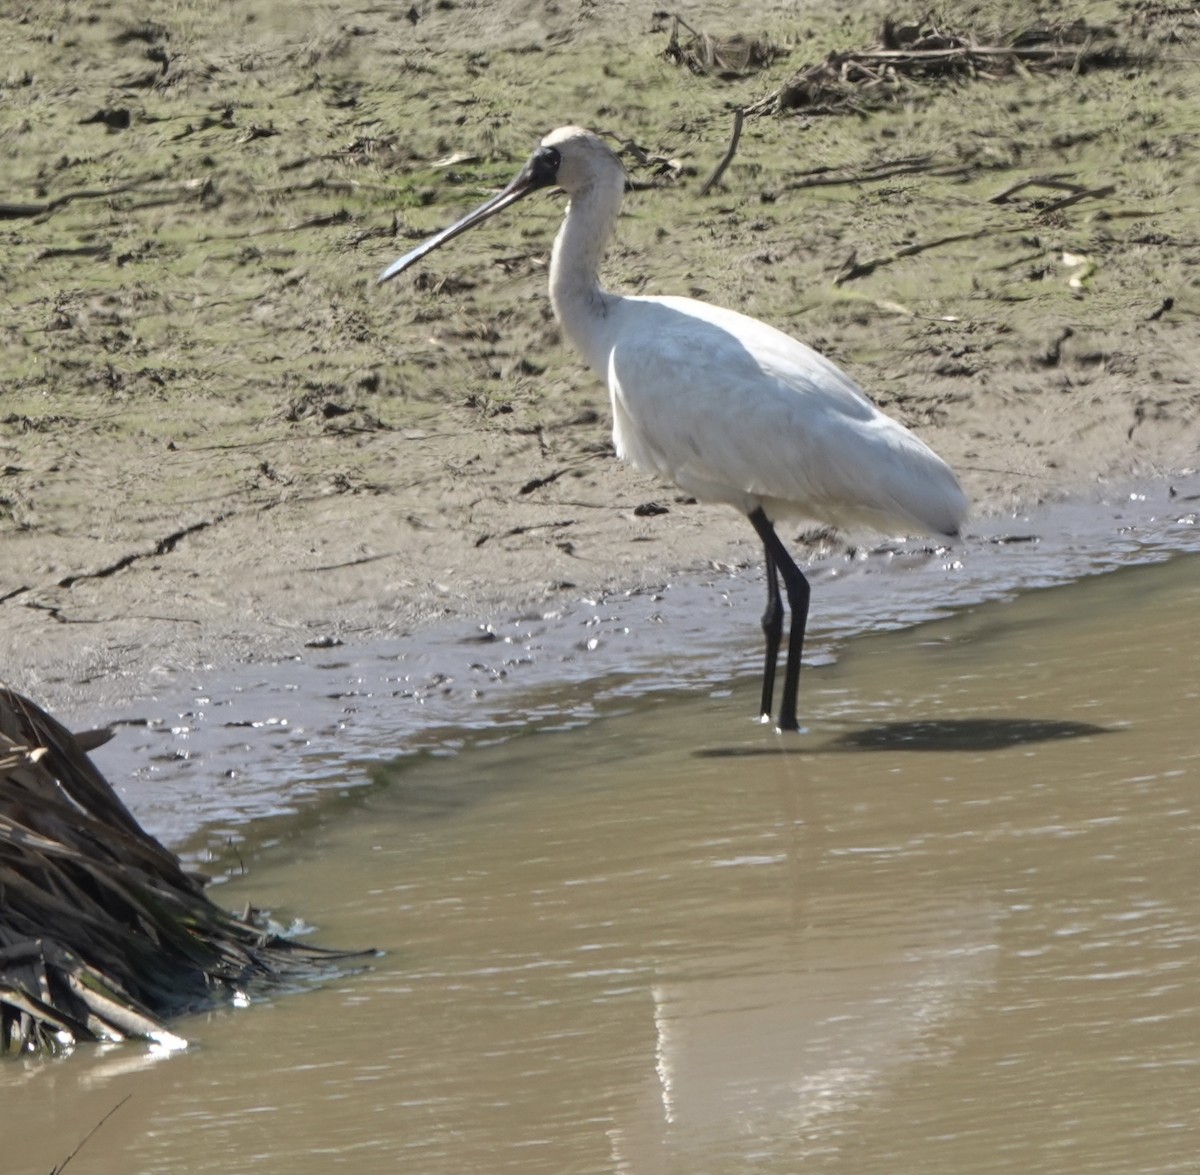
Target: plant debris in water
pixel 103 935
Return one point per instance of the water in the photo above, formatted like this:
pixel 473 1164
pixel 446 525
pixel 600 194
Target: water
pixel 950 927
pixel 204 753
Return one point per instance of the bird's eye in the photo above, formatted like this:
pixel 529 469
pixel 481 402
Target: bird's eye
pixel 544 167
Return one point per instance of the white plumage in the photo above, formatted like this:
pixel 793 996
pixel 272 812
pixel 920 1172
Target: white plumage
pixel 796 436
pixel 728 408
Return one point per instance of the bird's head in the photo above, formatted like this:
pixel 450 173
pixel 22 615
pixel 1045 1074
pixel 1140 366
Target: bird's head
pixel 569 158
pixel 579 158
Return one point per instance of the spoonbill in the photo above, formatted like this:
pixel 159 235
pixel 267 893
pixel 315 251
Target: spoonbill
pixel 728 408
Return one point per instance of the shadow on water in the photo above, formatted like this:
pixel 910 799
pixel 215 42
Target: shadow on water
pixel 605 953
pixel 955 734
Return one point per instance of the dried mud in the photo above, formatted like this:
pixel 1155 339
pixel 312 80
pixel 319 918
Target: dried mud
pixel 221 441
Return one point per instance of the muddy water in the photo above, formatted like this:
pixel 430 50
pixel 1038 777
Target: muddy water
pixel 953 926
pixel 202 753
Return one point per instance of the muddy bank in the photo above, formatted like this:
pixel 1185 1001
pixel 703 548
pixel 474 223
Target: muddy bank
pixel 215 747
pixel 222 444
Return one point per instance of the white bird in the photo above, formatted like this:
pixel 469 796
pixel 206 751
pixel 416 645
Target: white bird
pixel 728 408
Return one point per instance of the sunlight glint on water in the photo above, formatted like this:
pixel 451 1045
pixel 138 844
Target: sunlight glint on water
pixel 952 928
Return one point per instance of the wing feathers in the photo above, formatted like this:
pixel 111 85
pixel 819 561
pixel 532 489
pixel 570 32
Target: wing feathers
pixel 733 410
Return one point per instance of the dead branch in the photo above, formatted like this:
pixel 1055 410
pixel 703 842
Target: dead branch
pixel 727 158
pixel 911 55
pixel 922 165
pixel 59 1168
pixel 103 934
pixel 1077 192
pixel 1089 194
pixel 729 57
pixel 1058 183
pixel 342 216
pixel 19 211
pixel 853 268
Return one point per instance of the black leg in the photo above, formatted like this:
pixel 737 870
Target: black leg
pixel 772 626
pixel 797 590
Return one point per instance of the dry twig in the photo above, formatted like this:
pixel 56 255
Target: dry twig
pixel 59 1168
pixel 853 268
pixel 914 54
pixel 727 158
pixel 728 58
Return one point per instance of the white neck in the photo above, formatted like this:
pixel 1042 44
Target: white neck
pixel 580 305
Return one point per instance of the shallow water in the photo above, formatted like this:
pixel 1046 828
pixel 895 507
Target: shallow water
pixel 950 927
pixel 201 753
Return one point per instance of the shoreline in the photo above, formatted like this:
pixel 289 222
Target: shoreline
pixel 213 748
pixel 222 445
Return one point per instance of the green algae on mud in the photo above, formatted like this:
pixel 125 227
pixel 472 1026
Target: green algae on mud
pixel 194 342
